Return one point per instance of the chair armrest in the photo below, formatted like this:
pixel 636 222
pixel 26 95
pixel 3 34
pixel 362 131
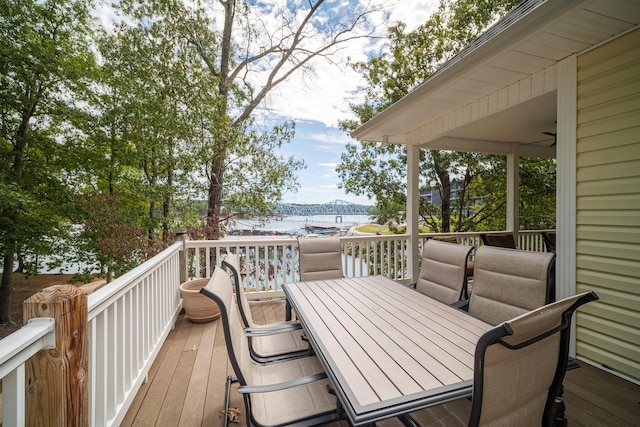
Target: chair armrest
pixel 283 385
pixel 269 301
pixel 288 311
pixel 278 329
pixel 463 305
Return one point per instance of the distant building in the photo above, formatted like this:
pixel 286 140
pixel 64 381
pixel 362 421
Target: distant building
pixel 432 194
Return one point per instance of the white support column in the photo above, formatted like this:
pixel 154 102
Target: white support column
pixel 513 190
pixel 413 204
pixel 566 164
pixel 566 154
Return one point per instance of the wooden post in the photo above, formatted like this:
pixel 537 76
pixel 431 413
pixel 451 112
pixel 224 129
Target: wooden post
pixel 56 382
pixel 181 235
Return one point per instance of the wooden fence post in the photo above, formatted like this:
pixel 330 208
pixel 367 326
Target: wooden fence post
pixel 181 235
pixel 57 392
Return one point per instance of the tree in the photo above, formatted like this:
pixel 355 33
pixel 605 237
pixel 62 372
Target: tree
pixel 45 67
pixel 249 58
pixel 411 58
pixel 150 81
pixel 384 173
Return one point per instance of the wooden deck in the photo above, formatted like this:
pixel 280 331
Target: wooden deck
pixel 187 382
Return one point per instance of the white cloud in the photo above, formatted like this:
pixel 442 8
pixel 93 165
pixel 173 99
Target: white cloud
pixel 414 12
pixel 331 136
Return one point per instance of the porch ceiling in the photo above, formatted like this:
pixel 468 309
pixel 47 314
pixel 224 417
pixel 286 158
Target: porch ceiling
pixel 525 46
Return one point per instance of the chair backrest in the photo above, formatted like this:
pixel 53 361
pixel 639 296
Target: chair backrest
pixel 503 240
pixel 220 290
pixel 232 263
pixel 549 238
pixel 449 239
pixel 443 271
pixel 510 282
pixel 520 364
pixel 268 378
pixel 320 258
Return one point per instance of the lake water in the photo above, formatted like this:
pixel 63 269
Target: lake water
pixel 298 225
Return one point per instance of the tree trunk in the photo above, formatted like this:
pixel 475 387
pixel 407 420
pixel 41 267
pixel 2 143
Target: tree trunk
pixel 441 168
pixel 20 267
pixel 216 178
pixel 462 200
pixel 166 210
pixel 215 200
pixel 152 214
pixel 19 148
pixel 20 145
pixel 446 203
pixel 5 289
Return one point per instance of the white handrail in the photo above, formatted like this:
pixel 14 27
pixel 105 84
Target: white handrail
pixel 128 322
pixel 15 350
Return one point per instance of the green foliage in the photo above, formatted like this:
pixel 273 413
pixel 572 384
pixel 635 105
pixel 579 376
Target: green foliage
pixel 379 172
pixel 537 194
pixel 121 145
pixel 231 157
pixel 45 72
pixel 384 173
pixel 253 168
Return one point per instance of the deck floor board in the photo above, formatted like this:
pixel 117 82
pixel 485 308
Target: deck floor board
pixel 186 385
pixel 196 394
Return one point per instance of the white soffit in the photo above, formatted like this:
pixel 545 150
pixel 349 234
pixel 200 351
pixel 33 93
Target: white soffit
pixel 520 55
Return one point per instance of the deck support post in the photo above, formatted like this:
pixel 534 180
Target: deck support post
pixel 181 235
pixel 56 380
pixel 413 210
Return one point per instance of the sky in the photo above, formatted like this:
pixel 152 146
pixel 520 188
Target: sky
pixel 317 104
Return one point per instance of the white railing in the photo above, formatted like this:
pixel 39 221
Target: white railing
pixel 15 350
pixel 267 263
pixel 130 318
pixel 128 322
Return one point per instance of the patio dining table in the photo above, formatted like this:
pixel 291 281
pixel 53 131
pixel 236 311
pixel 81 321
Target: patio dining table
pixel 387 349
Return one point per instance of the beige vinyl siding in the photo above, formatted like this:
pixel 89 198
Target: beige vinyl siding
pixel 608 204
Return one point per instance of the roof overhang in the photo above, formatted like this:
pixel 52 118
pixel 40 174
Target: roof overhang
pixel 501 88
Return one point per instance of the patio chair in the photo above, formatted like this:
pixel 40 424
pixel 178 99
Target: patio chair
pixel 454 239
pixel 503 240
pixel 510 282
pixel 518 371
pixel 549 238
pixel 443 271
pixel 320 258
pixel 270 342
pixel 276 394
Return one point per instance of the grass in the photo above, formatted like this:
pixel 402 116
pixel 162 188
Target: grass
pixel 385 230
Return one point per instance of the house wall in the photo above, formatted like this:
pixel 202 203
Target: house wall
pixel 608 204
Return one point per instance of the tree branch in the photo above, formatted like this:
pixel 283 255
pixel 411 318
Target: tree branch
pixel 278 73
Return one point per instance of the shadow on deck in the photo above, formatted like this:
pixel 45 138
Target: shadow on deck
pixel 186 383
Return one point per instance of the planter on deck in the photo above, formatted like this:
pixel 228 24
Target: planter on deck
pixel 198 307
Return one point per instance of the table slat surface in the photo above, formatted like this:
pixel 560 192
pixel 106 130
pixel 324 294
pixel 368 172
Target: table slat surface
pixel 386 347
